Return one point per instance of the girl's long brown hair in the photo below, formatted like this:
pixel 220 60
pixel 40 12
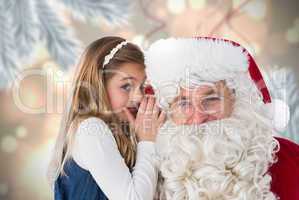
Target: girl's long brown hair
pixel 89 99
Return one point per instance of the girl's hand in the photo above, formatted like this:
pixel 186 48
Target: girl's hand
pixel 148 119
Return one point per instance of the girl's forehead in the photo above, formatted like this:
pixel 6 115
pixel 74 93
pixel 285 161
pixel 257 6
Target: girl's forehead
pixel 130 71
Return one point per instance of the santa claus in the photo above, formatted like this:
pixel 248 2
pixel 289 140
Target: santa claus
pixel 218 141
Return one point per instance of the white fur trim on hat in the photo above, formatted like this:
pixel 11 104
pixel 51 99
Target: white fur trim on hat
pixel 169 61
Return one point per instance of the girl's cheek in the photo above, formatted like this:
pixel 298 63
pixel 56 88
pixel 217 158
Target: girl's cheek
pixel 118 100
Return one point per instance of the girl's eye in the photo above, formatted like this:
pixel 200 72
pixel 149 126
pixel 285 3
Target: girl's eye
pixel 127 87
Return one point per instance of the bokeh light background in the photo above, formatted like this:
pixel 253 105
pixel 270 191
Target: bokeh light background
pixel 269 29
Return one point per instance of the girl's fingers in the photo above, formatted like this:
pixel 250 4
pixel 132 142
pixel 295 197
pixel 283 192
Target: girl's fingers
pixel 129 116
pixel 162 118
pixel 142 106
pixel 156 110
pixel 150 105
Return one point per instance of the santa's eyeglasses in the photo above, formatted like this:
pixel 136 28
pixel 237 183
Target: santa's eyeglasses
pixel 200 97
pixel 209 104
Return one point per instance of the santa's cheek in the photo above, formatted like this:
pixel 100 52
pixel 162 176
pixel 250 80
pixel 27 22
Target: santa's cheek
pixel 178 117
pixel 216 109
pixel 185 113
pixel 187 117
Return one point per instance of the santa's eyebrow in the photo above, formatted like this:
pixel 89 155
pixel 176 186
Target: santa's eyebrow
pixel 210 91
pixel 179 98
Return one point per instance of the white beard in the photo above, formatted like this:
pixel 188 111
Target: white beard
pixel 223 159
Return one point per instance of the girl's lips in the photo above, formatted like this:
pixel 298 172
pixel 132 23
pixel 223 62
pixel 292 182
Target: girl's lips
pixel 133 111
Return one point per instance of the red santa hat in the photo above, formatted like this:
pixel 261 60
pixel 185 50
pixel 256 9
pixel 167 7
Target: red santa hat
pixel 172 61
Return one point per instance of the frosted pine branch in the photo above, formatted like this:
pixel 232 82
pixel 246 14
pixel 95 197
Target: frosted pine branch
pixel 25 25
pixel 9 66
pixel 113 11
pixel 63 47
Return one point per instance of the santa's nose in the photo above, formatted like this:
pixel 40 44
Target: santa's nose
pixel 198 117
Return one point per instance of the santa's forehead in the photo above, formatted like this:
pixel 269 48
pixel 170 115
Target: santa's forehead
pixel 198 90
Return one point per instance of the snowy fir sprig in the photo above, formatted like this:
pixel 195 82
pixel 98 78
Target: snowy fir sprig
pixel 23 24
pixel 61 43
pixel 115 11
pixel 9 65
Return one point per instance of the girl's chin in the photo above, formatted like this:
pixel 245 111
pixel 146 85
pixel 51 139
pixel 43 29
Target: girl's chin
pixel 122 115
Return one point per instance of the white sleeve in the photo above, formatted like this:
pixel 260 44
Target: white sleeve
pixel 95 150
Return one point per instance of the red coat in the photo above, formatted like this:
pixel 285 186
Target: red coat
pixel 285 172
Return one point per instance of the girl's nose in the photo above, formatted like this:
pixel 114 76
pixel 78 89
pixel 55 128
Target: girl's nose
pixel 137 96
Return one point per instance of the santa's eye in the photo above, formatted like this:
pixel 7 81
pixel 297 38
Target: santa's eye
pixel 184 103
pixel 210 101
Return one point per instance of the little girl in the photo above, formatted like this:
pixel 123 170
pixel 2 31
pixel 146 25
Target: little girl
pixel 106 143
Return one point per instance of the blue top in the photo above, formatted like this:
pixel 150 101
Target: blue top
pixel 77 184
